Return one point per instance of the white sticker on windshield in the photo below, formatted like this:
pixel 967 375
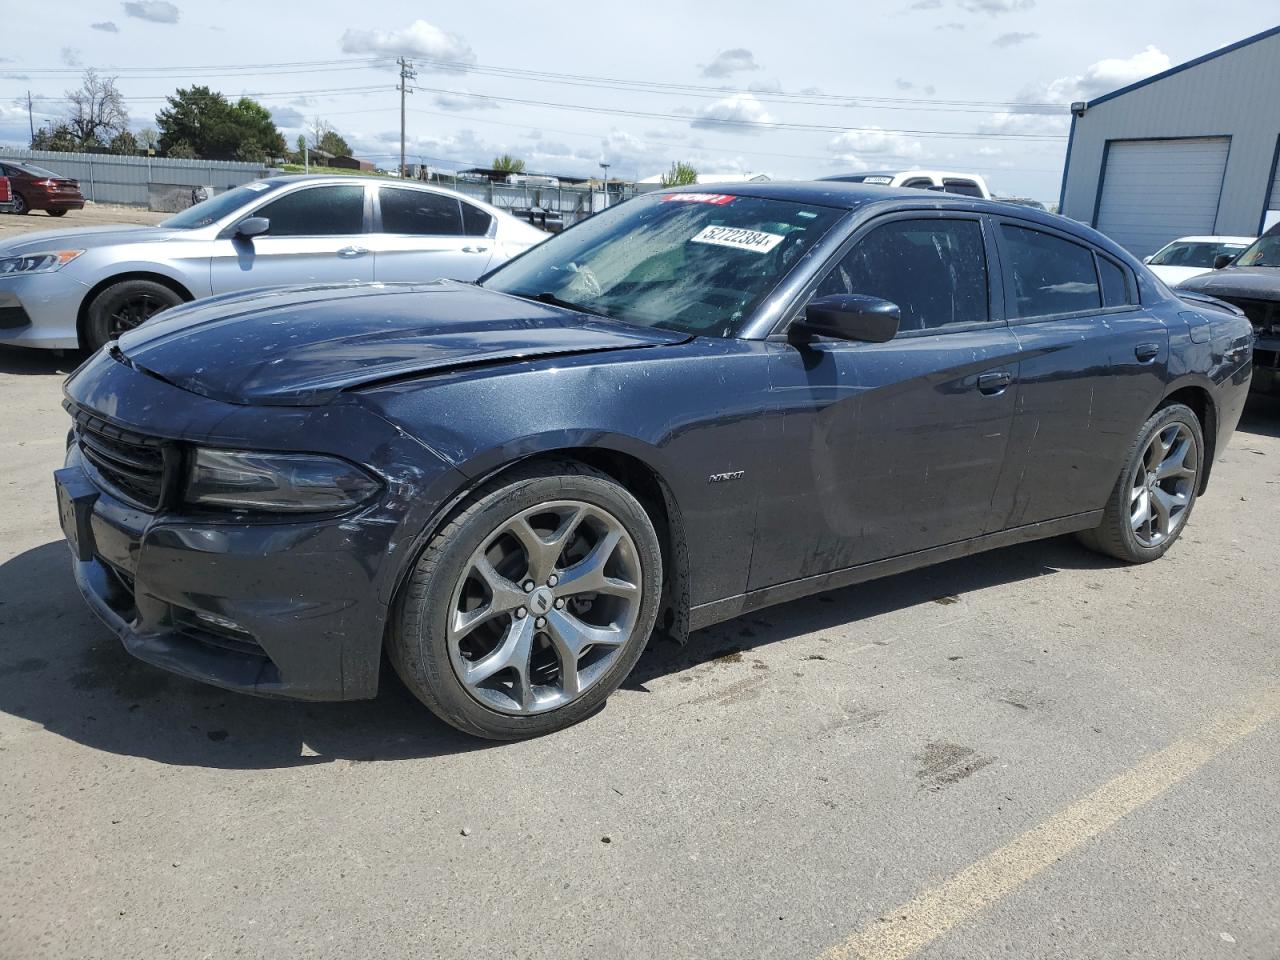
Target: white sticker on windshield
pixel 738 238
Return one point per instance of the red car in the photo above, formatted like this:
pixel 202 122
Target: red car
pixel 35 188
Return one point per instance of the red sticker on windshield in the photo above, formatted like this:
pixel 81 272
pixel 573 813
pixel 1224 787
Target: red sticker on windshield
pixel 718 199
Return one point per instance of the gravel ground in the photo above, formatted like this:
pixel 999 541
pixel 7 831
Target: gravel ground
pixel 1031 753
pixel 93 215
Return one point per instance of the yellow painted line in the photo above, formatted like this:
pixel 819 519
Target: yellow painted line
pixel 901 932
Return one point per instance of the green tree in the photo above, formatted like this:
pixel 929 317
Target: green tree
pixel 213 128
pixel 508 164
pixel 124 143
pixel 680 175
pixel 56 136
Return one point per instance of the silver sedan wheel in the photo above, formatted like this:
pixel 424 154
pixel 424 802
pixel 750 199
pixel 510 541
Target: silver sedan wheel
pixel 544 607
pixel 1163 485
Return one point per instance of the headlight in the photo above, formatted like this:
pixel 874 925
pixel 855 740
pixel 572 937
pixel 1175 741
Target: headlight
pixel 37 262
pixel 276 482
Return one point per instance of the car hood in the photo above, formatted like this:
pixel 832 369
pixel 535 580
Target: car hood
pixel 1255 283
pixel 303 345
pixel 84 238
pixel 1176 275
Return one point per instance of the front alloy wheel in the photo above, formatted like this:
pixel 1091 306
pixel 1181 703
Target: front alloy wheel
pixel 531 604
pixel 544 606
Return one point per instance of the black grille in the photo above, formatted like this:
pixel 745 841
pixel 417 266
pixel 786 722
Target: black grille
pixel 1263 314
pixel 128 463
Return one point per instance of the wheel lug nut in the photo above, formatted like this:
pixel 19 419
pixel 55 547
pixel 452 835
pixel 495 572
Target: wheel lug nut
pixel 552 580
pixel 560 604
pixel 541 622
pixel 528 586
pixel 521 613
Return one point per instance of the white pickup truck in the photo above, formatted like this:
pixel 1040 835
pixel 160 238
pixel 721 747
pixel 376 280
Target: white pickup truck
pixel 967 184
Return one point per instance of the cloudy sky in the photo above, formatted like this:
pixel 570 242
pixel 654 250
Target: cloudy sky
pixel 794 90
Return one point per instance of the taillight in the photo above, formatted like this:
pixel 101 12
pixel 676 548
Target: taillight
pixel 47 183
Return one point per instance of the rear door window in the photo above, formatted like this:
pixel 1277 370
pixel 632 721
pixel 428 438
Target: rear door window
pixel 420 213
pixel 1115 283
pixel 1050 275
pixel 475 222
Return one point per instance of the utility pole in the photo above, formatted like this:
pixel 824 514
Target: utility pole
pixel 605 184
pixel 30 122
pixel 406 74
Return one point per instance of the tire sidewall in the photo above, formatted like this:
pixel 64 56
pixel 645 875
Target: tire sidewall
pixel 98 321
pixel 1160 420
pixel 21 207
pixel 422 621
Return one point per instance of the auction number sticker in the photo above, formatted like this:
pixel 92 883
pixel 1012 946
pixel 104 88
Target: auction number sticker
pixel 739 238
pixel 715 199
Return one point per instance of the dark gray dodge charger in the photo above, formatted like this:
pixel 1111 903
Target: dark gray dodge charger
pixel 687 407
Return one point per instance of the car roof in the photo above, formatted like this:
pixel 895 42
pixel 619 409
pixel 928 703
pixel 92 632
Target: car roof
pixel 1245 240
pixel 912 172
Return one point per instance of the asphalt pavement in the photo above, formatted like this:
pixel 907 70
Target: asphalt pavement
pixel 1036 752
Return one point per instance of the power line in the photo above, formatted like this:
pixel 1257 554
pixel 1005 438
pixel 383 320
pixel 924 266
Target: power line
pixel 752 124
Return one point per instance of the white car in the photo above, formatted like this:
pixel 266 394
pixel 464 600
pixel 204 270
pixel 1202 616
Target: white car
pixel 1189 257
pixel 966 184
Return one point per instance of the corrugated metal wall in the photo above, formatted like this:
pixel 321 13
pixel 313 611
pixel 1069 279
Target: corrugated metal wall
pixel 1235 94
pixel 107 178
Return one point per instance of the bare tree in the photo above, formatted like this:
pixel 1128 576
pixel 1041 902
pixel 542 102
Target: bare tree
pixel 97 110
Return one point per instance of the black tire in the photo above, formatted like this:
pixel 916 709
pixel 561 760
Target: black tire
pixel 56 213
pixel 418 644
pixel 19 204
pixel 1115 536
pixel 136 299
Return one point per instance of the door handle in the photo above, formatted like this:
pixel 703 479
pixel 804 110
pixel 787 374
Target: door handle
pixel 994 384
pixel 349 252
pixel 474 249
pixel 1146 352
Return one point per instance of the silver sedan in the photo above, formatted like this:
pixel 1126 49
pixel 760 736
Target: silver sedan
pixel 65 289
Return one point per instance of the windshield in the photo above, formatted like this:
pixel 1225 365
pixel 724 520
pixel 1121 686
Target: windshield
pixel 217 207
pixel 1264 252
pixel 1197 254
pixel 692 262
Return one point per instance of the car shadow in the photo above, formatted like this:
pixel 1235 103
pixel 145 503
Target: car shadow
pixel 1261 416
pixel 62 669
pixel 26 361
pixel 944 583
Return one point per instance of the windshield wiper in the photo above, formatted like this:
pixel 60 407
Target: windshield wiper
pixel 550 298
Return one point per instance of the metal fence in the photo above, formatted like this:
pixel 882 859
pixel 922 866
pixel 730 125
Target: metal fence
pixel 109 178
pixel 571 204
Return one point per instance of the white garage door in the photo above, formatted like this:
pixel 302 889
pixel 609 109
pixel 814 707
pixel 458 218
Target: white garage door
pixel 1154 191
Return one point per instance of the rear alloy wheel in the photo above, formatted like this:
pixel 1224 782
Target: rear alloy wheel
pixel 1154 495
pixel 532 605
pixel 123 306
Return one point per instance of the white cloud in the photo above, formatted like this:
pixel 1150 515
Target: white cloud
pixel 1013 39
pixel 157 11
pixel 995 8
pixel 729 62
pixel 1107 75
pixel 926 5
pixel 765 86
pixel 70 56
pixel 288 118
pixel 462 100
pixel 419 39
pixel 106 26
pixel 862 149
pixel 735 114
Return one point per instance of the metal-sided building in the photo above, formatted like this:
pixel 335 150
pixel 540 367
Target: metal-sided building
pixel 1191 151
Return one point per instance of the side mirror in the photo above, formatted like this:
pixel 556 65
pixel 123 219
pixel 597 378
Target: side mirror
pixel 848 316
pixel 1149 258
pixel 252 226
pixel 1221 260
